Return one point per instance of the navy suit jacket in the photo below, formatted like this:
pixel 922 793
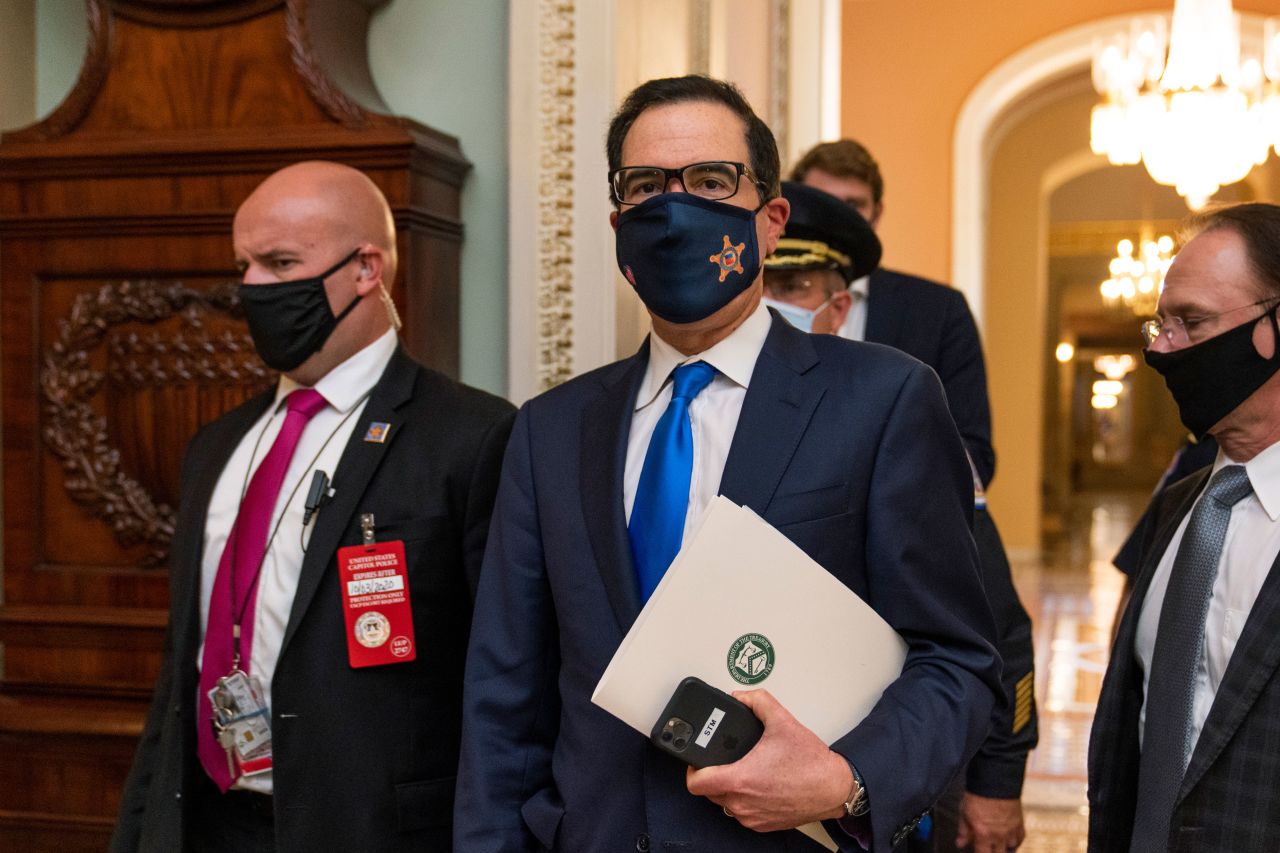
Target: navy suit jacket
pixel 933 322
pixel 1230 795
pixel 847 448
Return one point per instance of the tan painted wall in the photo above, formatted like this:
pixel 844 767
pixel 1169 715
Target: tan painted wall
pixel 1017 345
pixel 908 66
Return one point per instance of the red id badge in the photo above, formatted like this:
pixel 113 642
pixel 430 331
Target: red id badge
pixel 375 602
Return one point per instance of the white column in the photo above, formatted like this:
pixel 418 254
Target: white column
pixel 560 306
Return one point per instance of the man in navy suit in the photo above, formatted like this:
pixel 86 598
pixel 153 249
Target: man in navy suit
pixel 933 323
pixel 846 448
pixel 923 318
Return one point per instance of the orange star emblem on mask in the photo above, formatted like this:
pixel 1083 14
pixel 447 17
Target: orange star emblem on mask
pixel 729 259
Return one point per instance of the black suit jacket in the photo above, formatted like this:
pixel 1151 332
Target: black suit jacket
pixel 363 758
pixel 847 449
pixel 1230 796
pixel 933 323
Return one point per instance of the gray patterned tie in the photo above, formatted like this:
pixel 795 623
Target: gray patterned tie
pixel 1166 743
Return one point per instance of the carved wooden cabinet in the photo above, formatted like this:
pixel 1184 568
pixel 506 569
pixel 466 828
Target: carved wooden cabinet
pixel 120 335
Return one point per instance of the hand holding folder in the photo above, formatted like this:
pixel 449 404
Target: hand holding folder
pixel 742 607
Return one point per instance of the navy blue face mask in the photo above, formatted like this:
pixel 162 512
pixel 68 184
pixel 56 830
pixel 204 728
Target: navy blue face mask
pixel 687 257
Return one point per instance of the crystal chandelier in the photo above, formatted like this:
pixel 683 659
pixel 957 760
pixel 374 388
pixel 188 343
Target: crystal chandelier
pixel 1135 282
pixel 1196 104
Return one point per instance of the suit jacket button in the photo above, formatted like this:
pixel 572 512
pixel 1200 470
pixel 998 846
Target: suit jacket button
pixel 642 843
pixel 177 795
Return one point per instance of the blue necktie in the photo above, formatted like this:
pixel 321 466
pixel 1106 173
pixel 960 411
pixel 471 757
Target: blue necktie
pixel 1166 746
pixel 662 497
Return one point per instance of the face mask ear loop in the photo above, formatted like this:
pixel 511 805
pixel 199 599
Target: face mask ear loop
pixel 354 302
pixel 347 310
pixel 1275 333
pixel 339 265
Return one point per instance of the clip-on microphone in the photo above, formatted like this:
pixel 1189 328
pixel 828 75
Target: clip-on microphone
pixel 317 496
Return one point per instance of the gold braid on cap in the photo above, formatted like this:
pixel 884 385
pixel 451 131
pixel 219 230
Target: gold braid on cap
pixel 808 252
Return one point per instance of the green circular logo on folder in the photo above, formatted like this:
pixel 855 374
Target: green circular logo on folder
pixel 750 659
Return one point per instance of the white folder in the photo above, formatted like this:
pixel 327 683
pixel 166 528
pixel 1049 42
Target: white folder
pixel 831 655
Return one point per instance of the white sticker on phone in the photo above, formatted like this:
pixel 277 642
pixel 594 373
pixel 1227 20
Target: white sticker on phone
pixel 709 728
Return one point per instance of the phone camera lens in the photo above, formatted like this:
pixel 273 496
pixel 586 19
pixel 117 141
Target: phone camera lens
pixel 666 736
pixel 681 743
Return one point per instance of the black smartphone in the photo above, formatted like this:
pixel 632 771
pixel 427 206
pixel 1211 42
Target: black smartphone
pixel 703 726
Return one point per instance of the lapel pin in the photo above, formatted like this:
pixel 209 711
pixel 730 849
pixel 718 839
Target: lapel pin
pixel 377 432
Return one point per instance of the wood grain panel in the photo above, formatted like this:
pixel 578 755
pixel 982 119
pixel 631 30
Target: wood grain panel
pixel 120 336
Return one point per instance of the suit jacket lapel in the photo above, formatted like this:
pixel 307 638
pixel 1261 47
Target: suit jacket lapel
pixel 775 414
pixel 606 427
pixel 359 462
pixel 1253 663
pixel 884 319
pixel 189 563
pixel 1167 525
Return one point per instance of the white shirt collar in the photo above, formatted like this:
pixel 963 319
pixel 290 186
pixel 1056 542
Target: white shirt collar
pixel 347 384
pixel 1264 476
pixel 860 286
pixel 734 357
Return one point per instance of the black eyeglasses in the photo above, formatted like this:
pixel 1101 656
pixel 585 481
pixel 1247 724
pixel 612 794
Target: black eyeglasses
pixel 713 180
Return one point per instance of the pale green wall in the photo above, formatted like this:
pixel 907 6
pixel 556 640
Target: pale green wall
pixel 440 62
pixel 61 32
pixel 17 77
pixel 444 63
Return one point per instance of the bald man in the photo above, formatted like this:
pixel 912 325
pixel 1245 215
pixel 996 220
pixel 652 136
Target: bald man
pixel 310 693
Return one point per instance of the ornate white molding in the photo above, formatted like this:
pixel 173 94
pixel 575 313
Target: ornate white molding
pixel 556 137
pixel 700 36
pixel 780 74
pixel 556 327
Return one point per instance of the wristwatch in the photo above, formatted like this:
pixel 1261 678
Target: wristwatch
pixel 856 805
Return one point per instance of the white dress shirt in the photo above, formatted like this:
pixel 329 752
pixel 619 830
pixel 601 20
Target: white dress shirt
pixel 713 414
pixel 855 323
pixel 346 388
pixel 1250 547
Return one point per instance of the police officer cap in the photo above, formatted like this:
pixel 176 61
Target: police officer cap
pixel 824 233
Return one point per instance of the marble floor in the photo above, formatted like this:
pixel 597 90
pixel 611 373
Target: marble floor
pixel 1071 592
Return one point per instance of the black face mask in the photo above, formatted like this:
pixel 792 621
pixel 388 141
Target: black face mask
pixel 291 320
pixel 1210 380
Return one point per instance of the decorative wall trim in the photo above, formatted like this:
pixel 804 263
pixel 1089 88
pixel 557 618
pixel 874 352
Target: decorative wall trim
pixel 700 36
pixel 780 73
pixel 556 138
pixel 560 284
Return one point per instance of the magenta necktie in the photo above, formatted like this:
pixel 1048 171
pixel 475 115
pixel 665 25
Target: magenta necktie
pixel 235 589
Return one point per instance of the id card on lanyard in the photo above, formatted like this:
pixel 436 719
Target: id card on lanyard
pixel 375 600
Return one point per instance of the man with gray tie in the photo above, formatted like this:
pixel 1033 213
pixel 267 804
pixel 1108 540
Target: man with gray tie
pixel 1184 753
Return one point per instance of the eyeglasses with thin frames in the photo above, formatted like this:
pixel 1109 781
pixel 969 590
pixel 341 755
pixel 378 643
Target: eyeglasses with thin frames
pixel 713 180
pixel 1180 331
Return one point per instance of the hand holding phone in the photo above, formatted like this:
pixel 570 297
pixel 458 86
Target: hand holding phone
pixel 703 726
